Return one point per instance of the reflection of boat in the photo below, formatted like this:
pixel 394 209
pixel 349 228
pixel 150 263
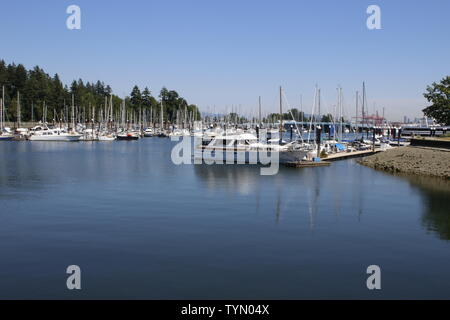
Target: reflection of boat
pixel 128 136
pixel 46 134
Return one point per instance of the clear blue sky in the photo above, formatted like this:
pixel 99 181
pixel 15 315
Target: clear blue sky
pixel 226 53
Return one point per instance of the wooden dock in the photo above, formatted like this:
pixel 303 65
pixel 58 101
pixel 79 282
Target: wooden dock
pixel 306 164
pixel 349 155
pixel 333 157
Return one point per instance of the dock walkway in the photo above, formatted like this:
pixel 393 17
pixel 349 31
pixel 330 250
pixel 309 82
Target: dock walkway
pixel 349 155
pixel 333 157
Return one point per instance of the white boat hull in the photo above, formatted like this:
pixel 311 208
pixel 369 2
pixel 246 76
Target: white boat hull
pixel 249 157
pixel 68 138
pixel 105 138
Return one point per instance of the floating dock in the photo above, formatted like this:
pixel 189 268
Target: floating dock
pixel 332 157
pixel 349 155
pixel 306 164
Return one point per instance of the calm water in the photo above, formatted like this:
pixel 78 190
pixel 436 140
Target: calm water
pixel 141 227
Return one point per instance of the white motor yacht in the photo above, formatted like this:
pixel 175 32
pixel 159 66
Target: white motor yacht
pixel 246 148
pixel 40 133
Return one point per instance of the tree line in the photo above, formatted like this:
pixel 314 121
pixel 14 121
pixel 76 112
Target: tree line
pixel 37 91
pixel 299 116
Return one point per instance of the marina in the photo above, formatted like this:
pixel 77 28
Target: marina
pixel 223 138
pixel 224 159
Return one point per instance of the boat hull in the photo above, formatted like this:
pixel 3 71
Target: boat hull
pixel 6 138
pixel 127 138
pixel 249 157
pixel 64 138
pixel 103 138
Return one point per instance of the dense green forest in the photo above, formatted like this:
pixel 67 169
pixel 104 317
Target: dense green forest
pixel 36 89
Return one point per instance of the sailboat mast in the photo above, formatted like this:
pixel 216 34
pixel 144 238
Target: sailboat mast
pixel 281 115
pixel 1 116
pixel 2 113
pixel 301 109
pixel 356 118
pixel 185 116
pixel 105 113
pixel 364 104
pixel 110 116
pixel 18 109
pixel 318 106
pixel 341 112
pixel 161 117
pixel 1 109
pixel 260 111
pixel 73 113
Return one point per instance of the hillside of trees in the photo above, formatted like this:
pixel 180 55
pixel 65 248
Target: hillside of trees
pixel 37 89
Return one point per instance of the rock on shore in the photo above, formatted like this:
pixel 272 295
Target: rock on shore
pixel 411 160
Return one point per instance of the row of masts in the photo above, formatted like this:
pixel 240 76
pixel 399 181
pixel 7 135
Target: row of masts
pixel 81 115
pixel 316 115
pixel 184 119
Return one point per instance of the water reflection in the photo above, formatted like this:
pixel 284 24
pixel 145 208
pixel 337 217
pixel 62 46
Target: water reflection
pixel 334 191
pixel 27 167
pixel 307 192
pixel 436 214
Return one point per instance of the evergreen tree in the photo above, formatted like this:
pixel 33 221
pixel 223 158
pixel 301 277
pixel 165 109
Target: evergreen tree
pixel 146 98
pixel 136 98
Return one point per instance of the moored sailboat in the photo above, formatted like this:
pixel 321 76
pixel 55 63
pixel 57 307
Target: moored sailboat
pixel 4 134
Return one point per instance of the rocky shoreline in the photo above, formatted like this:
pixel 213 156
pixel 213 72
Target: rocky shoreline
pixel 411 160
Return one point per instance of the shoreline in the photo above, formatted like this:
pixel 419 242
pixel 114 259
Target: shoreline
pixel 411 160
